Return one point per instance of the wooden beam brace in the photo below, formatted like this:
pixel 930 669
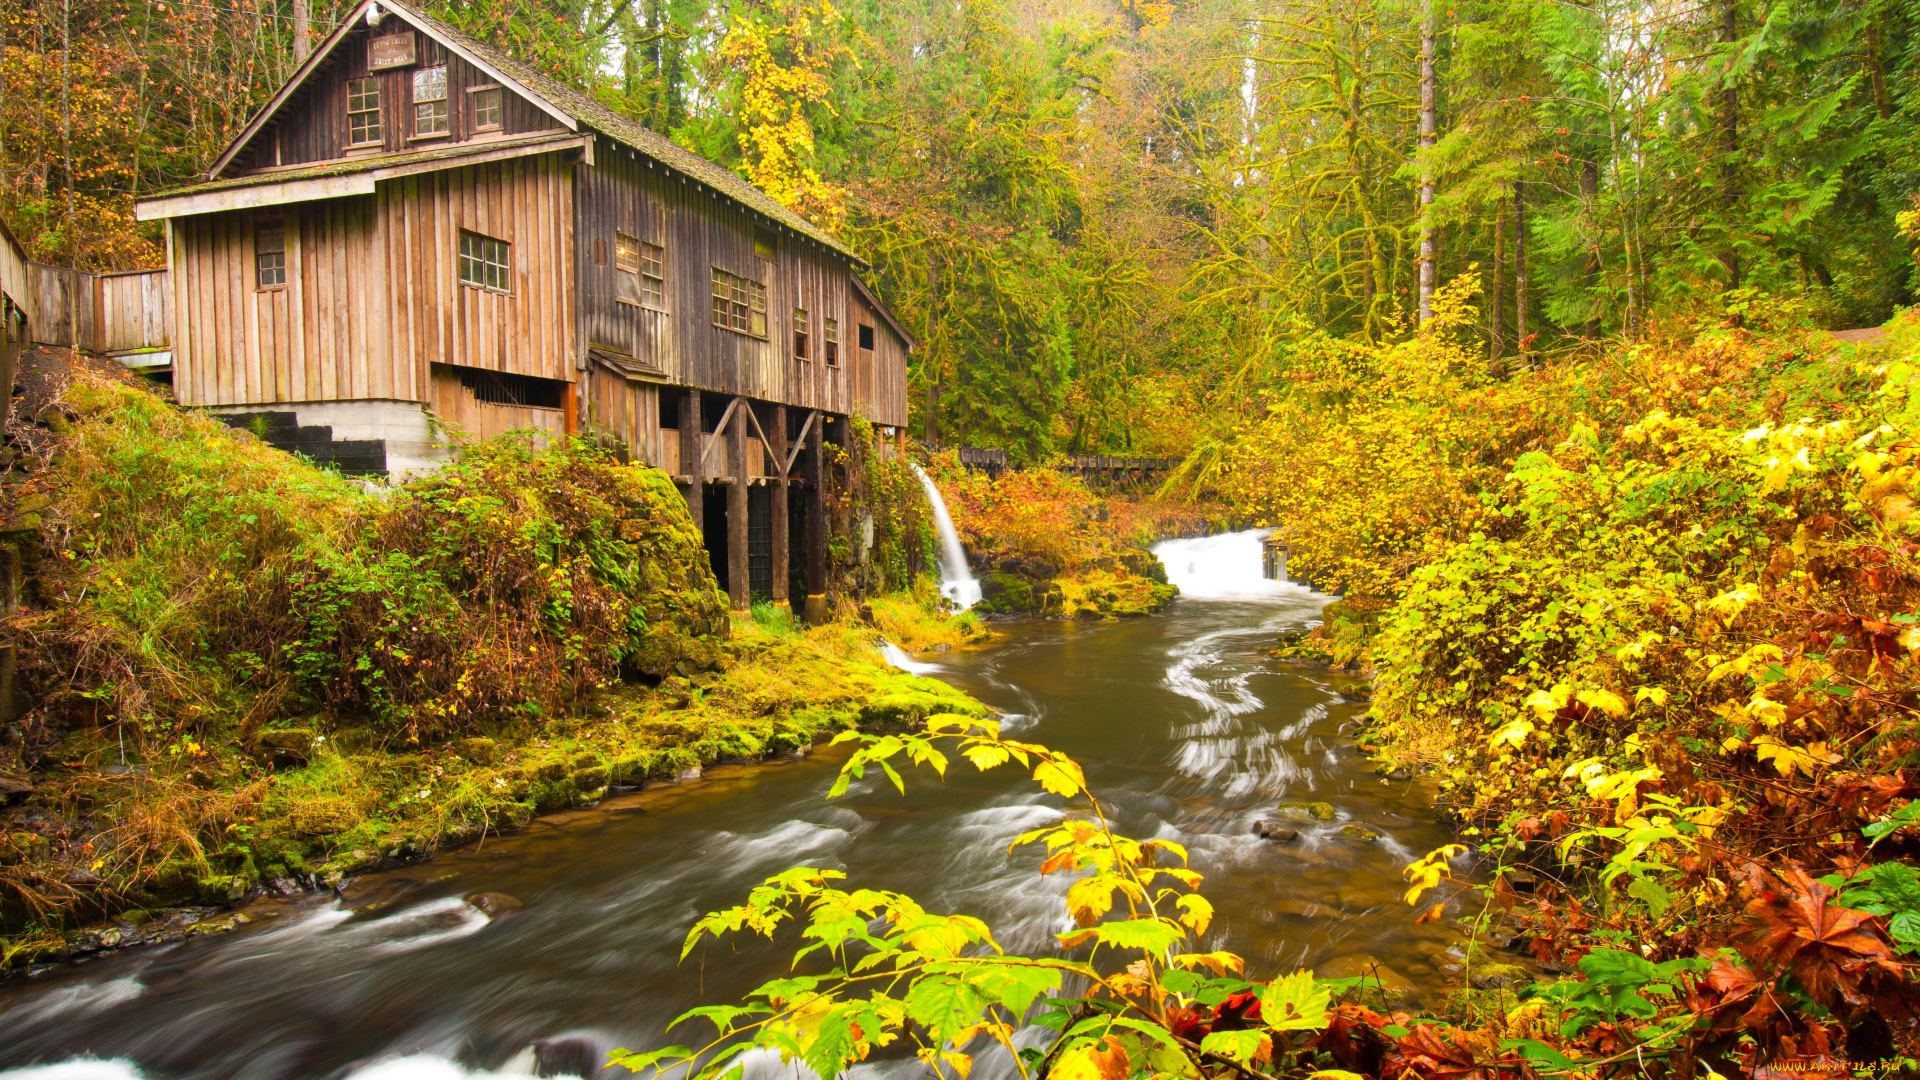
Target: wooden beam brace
pixel 764 441
pixel 719 429
pixel 800 443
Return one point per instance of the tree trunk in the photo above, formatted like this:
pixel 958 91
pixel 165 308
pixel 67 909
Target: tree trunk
pixel 1496 291
pixel 302 30
pixel 1519 271
pixel 1429 126
pixel 1730 143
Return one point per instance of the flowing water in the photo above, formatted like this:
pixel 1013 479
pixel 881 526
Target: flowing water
pixel 956 578
pixel 1187 730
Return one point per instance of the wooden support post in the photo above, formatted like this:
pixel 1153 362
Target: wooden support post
pixel 815 465
pixel 900 442
pixel 693 476
pixel 738 582
pixel 778 449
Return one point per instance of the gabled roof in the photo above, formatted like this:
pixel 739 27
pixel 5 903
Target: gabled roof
pixel 571 107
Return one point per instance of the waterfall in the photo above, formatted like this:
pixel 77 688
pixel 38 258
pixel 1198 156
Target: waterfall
pixel 1224 567
pixel 956 581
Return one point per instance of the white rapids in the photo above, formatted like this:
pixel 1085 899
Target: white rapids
pixel 1225 567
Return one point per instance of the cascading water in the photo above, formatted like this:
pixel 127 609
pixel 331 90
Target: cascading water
pixel 956 580
pixel 1224 567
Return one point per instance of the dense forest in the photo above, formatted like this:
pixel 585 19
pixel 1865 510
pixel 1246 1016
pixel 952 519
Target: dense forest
pixel 1122 226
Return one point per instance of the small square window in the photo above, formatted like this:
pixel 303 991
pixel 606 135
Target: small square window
pixel 487 111
pixel 430 101
pixel 830 336
pixel 484 262
pixel 270 253
pixel 866 337
pixel 363 111
pixel 800 334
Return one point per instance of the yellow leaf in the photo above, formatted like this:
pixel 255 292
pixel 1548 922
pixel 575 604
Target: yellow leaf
pixel 1787 759
pixel 1060 776
pixel 1196 912
pixel 1514 733
pixel 1604 700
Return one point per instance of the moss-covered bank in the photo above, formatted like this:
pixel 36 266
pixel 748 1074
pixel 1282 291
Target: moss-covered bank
pixel 238 671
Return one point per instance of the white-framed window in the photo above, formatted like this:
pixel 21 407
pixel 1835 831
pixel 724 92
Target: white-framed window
pixel 485 263
pixel 800 338
pixel 830 336
pixel 626 268
pixel 488 108
pixel 739 305
pixel 430 101
pixel 363 111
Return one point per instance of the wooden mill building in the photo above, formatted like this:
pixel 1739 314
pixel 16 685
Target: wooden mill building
pixel 419 238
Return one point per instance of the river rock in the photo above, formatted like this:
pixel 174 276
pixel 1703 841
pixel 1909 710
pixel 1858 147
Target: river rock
pixel 494 904
pixel 691 772
pixel 287 747
pixel 1376 977
pixel 1300 908
pixel 1305 811
pixel 1353 830
pixel 1276 832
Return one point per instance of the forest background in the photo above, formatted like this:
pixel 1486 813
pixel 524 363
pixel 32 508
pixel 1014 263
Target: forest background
pixel 1125 226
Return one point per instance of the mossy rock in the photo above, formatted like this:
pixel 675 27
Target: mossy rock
pixel 1306 811
pixel 594 779
pixel 1499 976
pixel 477 751
pixel 322 817
pixel 1353 830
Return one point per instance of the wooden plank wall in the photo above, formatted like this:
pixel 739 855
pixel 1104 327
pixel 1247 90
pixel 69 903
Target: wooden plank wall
pixel 700 231
pixel 136 311
pixel 313 124
pixel 60 306
pixel 630 411
pixel 319 337
pixel 528 202
pixel 455 404
pixel 372 297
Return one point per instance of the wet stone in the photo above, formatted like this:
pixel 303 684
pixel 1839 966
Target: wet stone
pixel 494 904
pixel 1305 811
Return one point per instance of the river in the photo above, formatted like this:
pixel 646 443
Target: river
pixel 1187 731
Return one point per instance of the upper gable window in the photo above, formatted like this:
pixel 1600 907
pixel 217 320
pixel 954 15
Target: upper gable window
pixel 866 338
pixel 430 101
pixel 487 109
pixel 363 111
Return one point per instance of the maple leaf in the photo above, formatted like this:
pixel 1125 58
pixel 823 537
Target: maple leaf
pixel 1831 950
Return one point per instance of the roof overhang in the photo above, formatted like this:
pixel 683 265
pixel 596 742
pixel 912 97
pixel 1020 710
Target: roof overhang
pixel 323 55
pixel 337 181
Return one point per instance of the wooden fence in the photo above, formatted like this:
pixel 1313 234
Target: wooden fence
pixel 15 327
pixel 108 313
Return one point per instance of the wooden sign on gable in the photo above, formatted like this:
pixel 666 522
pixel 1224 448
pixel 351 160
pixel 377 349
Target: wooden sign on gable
pixel 390 51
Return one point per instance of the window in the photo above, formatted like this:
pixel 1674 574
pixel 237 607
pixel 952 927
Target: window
pixel 270 253
pixel 626 265
pixel 363 111
pixel 832 339
pixel 800 334
pixel 486 108
pixel 739 304
pixel 765 243
pixel 430 101
pixel 866 337
pixel 483 261
pixel 653 276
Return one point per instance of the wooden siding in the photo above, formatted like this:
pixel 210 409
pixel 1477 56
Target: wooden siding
pixel 136 310
pixel 528 202
pixel 372 296
pixel 623 192
pixel 629 410
pixel 454 404
pixel 313 124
